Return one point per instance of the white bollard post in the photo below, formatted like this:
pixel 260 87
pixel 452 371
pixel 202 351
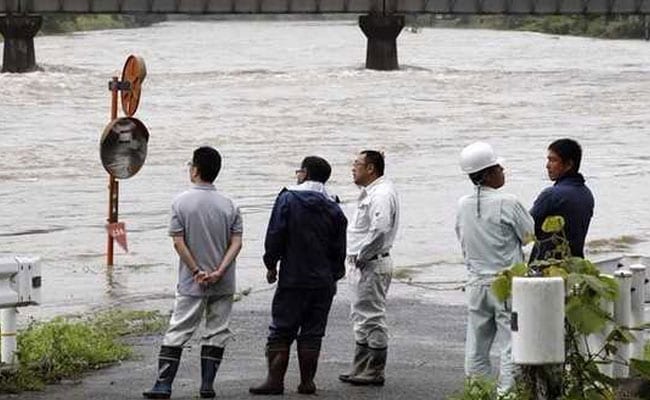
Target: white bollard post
pixel 637 303
pixel 538 321
pixel 596 340
pixel 8 334
pixel 623 317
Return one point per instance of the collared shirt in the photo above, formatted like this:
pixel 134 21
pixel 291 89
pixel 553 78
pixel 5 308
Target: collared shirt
pixel 375 221
pixel 207 220
pixel 491 239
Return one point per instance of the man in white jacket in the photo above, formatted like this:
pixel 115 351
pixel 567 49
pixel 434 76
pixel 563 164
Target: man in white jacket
pixel 371 234
pixel 492 227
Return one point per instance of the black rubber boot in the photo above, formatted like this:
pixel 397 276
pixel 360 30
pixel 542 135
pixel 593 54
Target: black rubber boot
pixel 361 357
pixel 211 357
pixel 308 353
pixel 277 355
pixel 168 361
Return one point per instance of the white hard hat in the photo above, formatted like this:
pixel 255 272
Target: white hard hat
pixel 478 156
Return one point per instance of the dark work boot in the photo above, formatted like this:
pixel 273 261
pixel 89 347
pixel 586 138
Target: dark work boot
pixel 168 361
pixel 210 360
pixel 277 355
pixel 373 373
pixel 361 357
pixel 308 353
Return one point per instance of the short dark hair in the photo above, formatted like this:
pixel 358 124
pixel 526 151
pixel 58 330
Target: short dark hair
pixel 375 158
pixel 478 177
pixel 316 168
pixel 568 150
pixel 207 161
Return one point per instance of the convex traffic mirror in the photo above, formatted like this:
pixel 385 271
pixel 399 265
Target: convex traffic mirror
pixel 123 147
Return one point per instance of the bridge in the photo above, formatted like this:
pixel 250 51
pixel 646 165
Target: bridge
pixel 380 20
pixel 536 7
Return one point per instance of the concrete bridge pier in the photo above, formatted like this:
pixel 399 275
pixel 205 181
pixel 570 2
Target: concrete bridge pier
pixel 19 32
pixel 381 31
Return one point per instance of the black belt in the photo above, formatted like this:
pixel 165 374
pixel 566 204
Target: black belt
pixel 377 256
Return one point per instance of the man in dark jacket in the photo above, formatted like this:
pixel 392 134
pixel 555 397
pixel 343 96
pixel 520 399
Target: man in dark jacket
pixel 307 235
pixel 569 197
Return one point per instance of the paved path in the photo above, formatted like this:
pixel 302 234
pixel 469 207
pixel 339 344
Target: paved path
pixel 425 358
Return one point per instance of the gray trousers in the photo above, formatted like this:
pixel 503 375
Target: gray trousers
pixel 187 316
pixel 488 319
pixel 368 312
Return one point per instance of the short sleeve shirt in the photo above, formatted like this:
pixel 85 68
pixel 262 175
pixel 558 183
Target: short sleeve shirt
pixel 207 220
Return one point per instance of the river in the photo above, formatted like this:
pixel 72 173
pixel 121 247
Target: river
pixel 269 93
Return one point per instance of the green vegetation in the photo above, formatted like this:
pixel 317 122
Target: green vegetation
pixel 86 22
pixel 620 244
pixel 647 351
pixel 403 274
pixel 586 290
pixel 65 348
pixel 241 294
pixel 618 27
pixel 476 389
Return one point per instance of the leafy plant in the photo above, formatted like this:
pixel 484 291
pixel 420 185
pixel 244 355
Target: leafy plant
pixel 65 348
pixel 586 292
pixel 477 389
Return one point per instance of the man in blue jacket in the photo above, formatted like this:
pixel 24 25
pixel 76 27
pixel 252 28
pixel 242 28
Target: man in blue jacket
pixel 307 235
pixel 569 197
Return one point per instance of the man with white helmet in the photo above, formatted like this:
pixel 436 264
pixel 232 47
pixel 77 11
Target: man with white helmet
pixel 492 227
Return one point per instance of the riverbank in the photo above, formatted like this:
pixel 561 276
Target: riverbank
pixel 618 27
pixel 66 23
pixel 425 357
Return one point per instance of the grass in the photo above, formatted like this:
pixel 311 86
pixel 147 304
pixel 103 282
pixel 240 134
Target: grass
pixel 403 274
pixel 57 23
pixel 241 294
pixel 613 27
pixel 477 389
pixel 620 244
pixel 65 348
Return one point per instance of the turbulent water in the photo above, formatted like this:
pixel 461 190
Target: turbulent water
pixel 269 93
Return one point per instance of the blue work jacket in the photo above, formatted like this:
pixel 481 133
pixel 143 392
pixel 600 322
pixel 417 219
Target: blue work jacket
pixel 570 198
pixel 306 234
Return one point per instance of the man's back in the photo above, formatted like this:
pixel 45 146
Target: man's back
pixel 307 234
pixel 207 221
pixel 492 232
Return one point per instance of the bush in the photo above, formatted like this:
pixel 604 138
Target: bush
pixel 64 349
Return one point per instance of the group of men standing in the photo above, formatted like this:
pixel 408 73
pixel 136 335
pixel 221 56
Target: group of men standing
pixel 310 240
pixel 492 228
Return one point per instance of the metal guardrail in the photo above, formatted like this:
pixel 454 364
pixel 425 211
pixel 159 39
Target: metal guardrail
pixel 20 285
pixel 512 7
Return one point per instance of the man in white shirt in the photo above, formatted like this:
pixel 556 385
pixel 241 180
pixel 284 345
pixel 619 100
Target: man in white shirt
pixel 492 227
pixel 370 238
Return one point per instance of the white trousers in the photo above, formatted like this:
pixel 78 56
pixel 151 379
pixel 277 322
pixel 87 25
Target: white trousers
pixel 488 319
pixel 188 313
pixel 368 312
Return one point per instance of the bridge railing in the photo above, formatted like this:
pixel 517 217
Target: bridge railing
pixel 526 7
